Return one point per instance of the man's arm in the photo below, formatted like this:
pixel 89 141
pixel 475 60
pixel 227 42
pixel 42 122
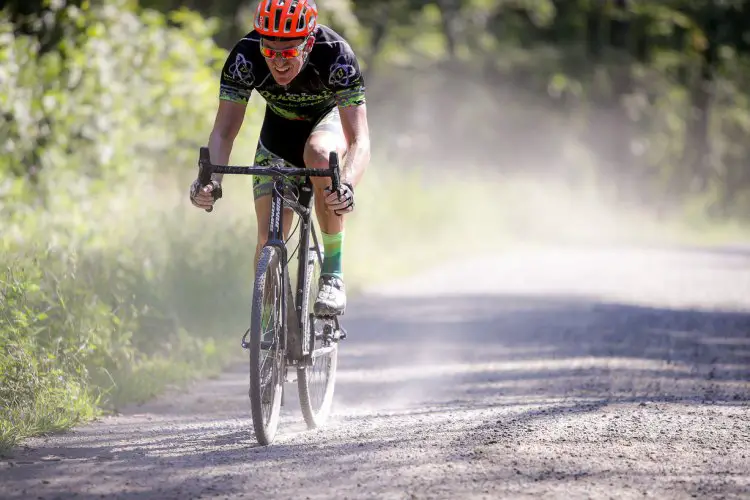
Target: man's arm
pixel 227 124
pixel 357 132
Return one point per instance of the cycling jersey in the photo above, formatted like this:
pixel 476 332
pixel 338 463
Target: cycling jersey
pixel 330 77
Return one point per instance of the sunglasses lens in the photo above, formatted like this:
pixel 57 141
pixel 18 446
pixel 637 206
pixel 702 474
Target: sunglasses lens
pixel 267 52
pixel 289 53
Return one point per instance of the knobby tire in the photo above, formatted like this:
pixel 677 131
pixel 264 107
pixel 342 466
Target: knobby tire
pixel 266 306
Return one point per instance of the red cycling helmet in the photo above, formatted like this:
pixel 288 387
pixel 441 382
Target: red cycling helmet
pixel 286 18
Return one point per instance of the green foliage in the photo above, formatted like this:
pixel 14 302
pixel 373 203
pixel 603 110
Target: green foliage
pixel 47 336
pixel 95 294
pixel 122 86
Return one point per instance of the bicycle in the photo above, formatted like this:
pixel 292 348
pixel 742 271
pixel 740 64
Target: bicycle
pixel 297 338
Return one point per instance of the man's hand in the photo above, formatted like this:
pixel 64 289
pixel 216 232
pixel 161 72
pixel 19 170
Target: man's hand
pixel 205 197
pixel 341 201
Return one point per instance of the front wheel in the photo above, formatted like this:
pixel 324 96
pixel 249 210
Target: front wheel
pixel 266 350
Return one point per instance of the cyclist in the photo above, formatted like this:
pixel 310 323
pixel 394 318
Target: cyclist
pixel 314 91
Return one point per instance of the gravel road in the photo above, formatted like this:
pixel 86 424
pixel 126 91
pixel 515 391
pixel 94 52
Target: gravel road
pixel 541 373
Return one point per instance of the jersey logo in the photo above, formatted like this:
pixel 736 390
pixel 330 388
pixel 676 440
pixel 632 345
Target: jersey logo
pixel 295 98
pixel 341 72
pixel 242 70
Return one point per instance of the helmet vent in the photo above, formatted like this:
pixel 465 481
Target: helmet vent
pixel 277 20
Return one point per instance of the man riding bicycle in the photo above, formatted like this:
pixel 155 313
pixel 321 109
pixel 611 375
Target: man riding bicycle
pixel 315 103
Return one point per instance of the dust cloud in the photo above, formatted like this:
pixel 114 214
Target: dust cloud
pixel 532 168
pixel 526 173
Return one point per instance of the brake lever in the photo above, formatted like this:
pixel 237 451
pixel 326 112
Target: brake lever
pixel 205 170
pixel 333 164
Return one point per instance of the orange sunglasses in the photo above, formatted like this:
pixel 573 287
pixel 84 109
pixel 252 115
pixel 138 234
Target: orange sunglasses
pixel 289 53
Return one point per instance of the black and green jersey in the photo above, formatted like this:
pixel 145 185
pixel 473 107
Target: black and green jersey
pixel 330 77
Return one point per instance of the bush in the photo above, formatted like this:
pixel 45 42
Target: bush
pixel 97 267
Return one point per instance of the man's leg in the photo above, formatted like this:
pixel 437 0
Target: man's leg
pixel 328 136
pixel 262 188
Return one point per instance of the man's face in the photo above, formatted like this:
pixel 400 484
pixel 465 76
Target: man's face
pixel 285 69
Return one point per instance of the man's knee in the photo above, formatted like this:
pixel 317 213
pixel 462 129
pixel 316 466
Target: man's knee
pixel 319 147
pixel 316 154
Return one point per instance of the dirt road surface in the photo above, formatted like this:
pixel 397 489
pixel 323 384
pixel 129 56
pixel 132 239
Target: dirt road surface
pixel 567 373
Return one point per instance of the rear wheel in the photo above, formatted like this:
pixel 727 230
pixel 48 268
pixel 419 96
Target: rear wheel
pixel 266 353
pixel 316 381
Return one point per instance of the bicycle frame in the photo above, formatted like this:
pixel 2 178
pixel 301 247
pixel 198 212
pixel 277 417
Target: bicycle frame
pixel 292 321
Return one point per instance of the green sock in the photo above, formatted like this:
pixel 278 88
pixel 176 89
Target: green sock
pixel 332 250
